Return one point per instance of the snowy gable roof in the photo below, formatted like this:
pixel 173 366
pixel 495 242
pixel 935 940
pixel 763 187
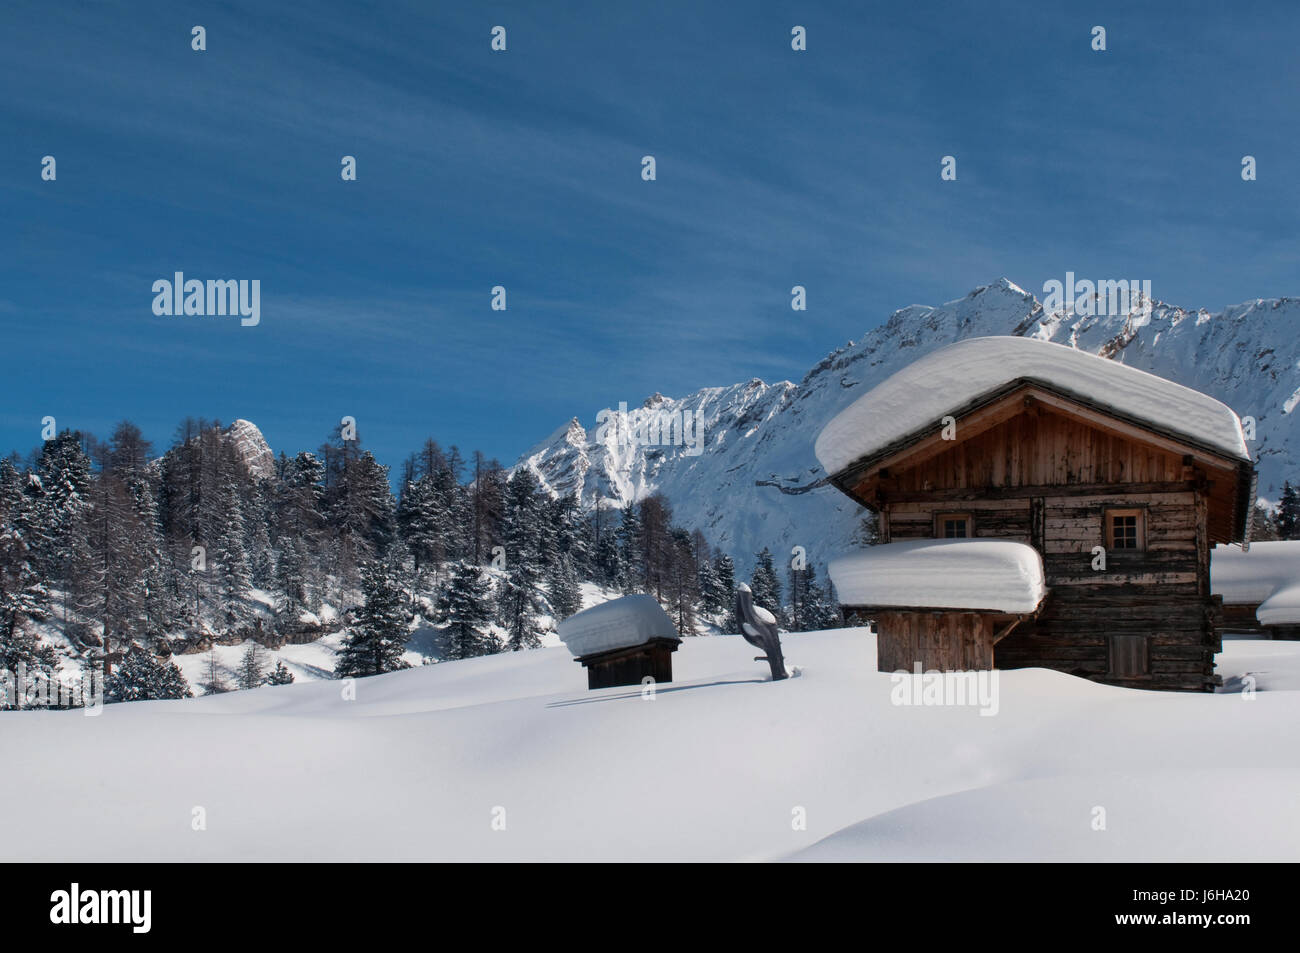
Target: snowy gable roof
pixel 617 624
pixel 991 575
pixel 918 396
pixel 1267 574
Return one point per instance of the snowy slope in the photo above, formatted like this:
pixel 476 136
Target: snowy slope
pixel 716 766
pixel 755 484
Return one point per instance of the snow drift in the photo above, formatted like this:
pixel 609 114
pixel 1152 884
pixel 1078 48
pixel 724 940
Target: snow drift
pixel 716 767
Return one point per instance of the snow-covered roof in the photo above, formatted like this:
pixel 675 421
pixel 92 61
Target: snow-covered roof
pixel 918 396
pixel 993 575
pixel 1268 574
pixel 617 624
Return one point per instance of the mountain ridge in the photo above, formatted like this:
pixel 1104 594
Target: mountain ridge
pixel 757 483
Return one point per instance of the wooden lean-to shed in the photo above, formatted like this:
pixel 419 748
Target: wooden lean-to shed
pixel 942 604
pixel 1119 481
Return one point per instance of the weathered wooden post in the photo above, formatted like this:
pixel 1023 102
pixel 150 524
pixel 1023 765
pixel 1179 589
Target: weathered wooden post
pixel 758 627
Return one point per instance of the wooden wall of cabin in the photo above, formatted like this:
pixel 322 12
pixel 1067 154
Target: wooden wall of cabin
pixel 1040 449
pixel 1148 608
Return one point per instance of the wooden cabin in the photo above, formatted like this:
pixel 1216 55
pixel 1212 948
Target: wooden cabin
pixel 1121 481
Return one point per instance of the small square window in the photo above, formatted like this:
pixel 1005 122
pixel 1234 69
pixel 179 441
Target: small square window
pixel 954 526
pixel 1125 529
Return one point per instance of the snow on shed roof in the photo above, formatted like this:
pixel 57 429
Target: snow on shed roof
pixel 1267 574
pixel 993 575
pixel 617 624
pixel 920 394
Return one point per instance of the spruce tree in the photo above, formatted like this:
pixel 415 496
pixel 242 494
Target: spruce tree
pixel 280 675
pixel 252 667
pixel 765 584
pixel 518 603
pixel 142 677
pixel 565 593
pixel 724 567
pixel 1288 513
pixel 465 608
pixel 631 552
pixel 681 585
pixel 379 632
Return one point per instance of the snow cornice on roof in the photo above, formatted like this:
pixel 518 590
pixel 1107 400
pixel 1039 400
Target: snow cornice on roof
pixel 961 378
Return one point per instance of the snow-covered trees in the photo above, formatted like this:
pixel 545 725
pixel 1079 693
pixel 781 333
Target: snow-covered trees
pixel 23 596
pixel 143 677
pixel 466 609
pixel 215 542
pixel 764 583
pixel 810 607
pixel 252 667
pixel 358 502
pixel 280 675
pixel 518 602
pixel 379 634
pixel 1288 513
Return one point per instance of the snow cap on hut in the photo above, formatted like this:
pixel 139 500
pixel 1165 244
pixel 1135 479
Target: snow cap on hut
pixel 984 575
pixel 617 624
pixel 969 372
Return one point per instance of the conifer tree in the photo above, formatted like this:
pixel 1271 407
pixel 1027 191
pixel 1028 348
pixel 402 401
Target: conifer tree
pixel 252 667
pixel 379 632
pixel 1288 513
pixel 465 608
pixel 143 677
pixel 631 552
pixel 764 583
pixel 280 675
pixel 519 591
pixel 682 582
pixel 565 594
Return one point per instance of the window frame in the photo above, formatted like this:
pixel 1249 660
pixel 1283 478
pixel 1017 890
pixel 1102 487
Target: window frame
pixel 941 518
pixel 1108 528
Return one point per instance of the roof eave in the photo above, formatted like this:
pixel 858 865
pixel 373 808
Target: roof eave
pixel 845 476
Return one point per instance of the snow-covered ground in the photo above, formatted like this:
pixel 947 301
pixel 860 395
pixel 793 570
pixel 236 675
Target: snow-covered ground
pixel 720 765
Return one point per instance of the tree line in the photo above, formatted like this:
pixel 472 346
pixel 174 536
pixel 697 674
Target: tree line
pixel 132 557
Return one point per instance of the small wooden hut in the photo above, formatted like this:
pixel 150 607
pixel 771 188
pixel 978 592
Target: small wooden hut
pixel 1120 481
pixel 622 642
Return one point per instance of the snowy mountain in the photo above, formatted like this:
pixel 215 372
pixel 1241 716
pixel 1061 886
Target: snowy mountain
pixel 755 480
pixel 252 449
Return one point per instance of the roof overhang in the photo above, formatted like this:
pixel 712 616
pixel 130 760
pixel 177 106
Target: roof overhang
pixel 1005 402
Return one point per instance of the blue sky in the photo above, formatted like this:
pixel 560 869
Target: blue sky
pixel 522 169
